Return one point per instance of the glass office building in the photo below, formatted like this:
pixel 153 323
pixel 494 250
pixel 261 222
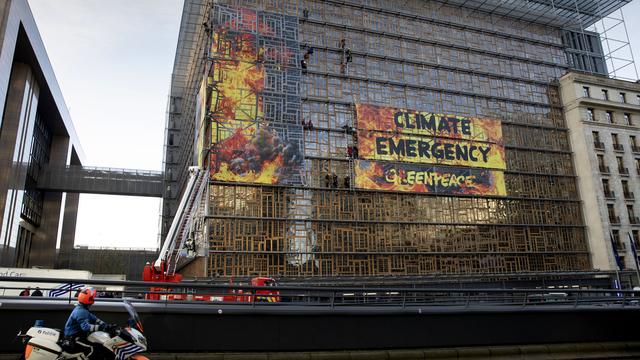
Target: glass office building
pixel 374 138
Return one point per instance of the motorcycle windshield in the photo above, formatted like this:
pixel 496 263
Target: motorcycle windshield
pixel 133 315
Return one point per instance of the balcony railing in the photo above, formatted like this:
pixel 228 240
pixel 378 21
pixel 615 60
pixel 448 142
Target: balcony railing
pixel 634 219
pixel 623 171
pixel 618 147
pixel 614 219
pixel 598 145
pixel 635 148
pixel 605 169
pixel 620 246
pixel 609 194
pixel 629 195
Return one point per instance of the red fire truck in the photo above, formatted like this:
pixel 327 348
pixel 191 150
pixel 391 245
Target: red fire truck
pixel 163 270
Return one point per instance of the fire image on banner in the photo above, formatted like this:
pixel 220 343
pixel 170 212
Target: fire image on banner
pixel 245 147
pixel 404 140
pixel 442 180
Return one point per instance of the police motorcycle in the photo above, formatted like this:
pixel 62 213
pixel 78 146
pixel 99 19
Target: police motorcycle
pixel 120 343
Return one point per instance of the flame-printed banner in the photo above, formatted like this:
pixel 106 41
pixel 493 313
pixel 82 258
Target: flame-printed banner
pixel 372 117
pixel 429 150
pixel 245 146
pixel 374 175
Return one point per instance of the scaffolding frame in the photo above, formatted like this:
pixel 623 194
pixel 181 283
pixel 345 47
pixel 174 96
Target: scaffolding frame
pixel 618 51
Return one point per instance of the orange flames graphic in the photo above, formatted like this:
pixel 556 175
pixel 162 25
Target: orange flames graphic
pixel 252 155
pixel 243 150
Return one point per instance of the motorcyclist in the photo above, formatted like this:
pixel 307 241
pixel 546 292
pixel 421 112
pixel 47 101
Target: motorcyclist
pixel 82 322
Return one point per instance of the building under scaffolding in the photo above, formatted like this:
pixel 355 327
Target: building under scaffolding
pixel 379 138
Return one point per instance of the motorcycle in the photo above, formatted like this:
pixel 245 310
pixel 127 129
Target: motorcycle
pixel 122 342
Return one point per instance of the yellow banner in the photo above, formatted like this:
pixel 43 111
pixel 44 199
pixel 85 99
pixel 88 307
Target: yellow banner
pixel 374 175
pixel 396 120
pixel 427 150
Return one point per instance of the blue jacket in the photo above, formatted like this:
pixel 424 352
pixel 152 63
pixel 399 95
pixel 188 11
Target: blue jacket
pixel 81 322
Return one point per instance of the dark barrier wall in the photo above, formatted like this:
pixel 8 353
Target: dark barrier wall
pixel 106 261
pixel 185 328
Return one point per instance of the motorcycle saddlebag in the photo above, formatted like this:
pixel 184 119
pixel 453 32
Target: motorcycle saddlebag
pixel 41 349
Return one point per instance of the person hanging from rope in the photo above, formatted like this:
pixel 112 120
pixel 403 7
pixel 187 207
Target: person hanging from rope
pixel 306 58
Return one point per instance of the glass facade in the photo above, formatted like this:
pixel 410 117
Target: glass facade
pixel 447 60
pixel 38 158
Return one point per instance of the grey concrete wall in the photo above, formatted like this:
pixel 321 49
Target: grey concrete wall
pixel 69 221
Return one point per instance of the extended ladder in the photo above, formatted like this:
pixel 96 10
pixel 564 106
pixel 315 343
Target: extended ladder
pixel 181 234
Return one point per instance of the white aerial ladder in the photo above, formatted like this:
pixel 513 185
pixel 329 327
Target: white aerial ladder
pixel 186 231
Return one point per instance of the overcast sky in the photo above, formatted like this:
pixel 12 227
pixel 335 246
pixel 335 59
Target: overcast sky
pixel 113 61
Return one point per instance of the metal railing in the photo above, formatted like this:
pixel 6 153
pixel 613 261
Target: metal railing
pixel 189 293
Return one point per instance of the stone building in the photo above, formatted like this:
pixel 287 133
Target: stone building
pixel 603 116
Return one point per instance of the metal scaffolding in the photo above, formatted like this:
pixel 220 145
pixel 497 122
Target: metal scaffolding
pixel 618 52
pixel 478 58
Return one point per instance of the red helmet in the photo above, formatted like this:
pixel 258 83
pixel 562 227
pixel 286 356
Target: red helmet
pixel 87 296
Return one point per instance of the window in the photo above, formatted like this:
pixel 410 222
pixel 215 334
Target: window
pixel 605 94
pixel 601 164
pixel 596 141
pixel 625 187
pixel 625 190
pixel 616 143
pixel 632 215
pixel 606 188
pixel 627 118
pixel 616 238
pixel 585 91
pixel 638 166
pixel 612 213
pixel 590 114
pixel 609 117
pixel 632 141
pixel 620 162
pixel 623 97
pixel 638 99
pixel 636 237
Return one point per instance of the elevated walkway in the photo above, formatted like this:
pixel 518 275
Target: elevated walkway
pixel 95 180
